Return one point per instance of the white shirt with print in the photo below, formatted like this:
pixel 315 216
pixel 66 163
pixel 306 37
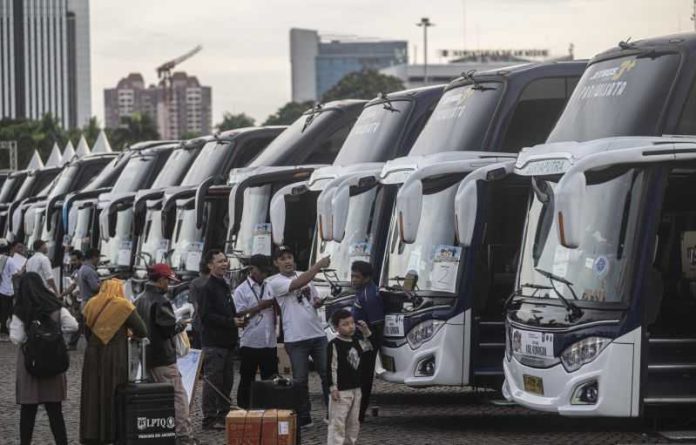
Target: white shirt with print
pixel 260 329
pixel 300 318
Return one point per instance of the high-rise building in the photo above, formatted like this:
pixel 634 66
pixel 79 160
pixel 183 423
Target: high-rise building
pixel 184 107
pixel 45 60
pixel 318 62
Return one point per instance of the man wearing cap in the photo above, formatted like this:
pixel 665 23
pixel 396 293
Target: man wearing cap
pixel 219 328
pixel 156 310
pixel 254 302
pixel 303 332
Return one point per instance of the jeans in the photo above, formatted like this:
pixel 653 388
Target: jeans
pixel 299 353
pixel 27 417
pixel 218 371
pixel 170 374
pixel 265 359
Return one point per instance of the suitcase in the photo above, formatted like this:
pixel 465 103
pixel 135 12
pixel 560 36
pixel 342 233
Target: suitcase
pixel 144 411
pixel 279 393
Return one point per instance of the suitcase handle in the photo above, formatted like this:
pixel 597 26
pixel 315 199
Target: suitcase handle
pixel 143 342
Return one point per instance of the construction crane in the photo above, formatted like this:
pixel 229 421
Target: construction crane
pixel 164 73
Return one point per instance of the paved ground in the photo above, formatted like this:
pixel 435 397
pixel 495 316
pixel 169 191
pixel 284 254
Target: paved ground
pixel 406 416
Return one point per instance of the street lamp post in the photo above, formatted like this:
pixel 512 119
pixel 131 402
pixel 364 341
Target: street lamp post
pixel 425 23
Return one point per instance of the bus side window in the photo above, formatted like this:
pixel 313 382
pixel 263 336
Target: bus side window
pixel 537 111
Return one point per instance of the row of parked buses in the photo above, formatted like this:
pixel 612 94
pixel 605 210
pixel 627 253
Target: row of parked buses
pixel 533 227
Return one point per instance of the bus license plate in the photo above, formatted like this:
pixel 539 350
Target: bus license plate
pixel 535 344
pixel 534 385
pixel 394 325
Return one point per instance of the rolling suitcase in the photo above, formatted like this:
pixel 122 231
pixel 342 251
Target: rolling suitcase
pixel 279 393
pixel 144 412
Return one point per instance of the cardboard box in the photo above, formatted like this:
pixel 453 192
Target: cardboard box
pixel 261 427
pixel 283 360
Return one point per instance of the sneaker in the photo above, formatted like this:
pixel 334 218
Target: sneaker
pixel 306 423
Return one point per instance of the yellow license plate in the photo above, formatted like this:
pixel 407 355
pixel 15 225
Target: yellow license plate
pixel 533 384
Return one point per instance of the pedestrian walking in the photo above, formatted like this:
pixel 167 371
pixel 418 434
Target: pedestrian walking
pixel 38 308
pixel 109 315
pixel 40 264
pixel 71 298
pixel 219 326
pixel 303 332
pixel 368 307
pixel 258 344
pixel 343 360
pixel 195 292
pixel 87 277
pixel 155 308
pixel 11 264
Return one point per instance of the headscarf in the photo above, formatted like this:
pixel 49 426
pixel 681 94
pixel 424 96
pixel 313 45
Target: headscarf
pixel 106 311
pixel 34 300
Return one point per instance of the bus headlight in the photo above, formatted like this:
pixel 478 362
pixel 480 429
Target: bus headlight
pixel 508 342
pixel 423 332
pixel 583 352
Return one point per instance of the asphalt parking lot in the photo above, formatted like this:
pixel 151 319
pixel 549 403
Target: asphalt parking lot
pixel 406 416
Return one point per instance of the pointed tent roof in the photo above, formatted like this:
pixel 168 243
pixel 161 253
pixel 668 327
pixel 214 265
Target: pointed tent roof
pixel 82 148
pixel 55 157
pixel 35 162
pixel 68 153
pixel 102 145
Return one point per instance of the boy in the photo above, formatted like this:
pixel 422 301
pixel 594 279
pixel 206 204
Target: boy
pixel 344 353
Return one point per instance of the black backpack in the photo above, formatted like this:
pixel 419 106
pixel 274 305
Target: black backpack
pixel 45 353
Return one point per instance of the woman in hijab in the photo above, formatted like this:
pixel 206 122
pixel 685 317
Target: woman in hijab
pixel 36 302
pixel 110 317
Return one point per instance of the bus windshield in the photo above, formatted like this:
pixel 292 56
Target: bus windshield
pixel 600 267
pixel 178 161
pixel 372 137
pixel 434 251
pixel 252 227
pixel 10 186
pixel 210 159
pixel 131 177
pixel 460 119
pixel 618 97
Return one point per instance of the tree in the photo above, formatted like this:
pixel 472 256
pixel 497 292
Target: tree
pixel 363 85
pixel 185 136
pixel 134 128
pixel 31 135
pixel 90 131
pixel 231 121
pixel 288 113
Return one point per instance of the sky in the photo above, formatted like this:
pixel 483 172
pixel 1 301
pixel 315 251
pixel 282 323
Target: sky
pixel 246 49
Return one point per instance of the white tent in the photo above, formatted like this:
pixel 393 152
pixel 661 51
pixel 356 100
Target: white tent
pixel 102 145
pixel 35 162
pixel 82 148
pixel 68 153
pixel 54 160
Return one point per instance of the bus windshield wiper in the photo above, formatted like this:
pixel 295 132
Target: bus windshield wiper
pixel 387 103
pixel 312 114
pixel 518 292
pixel 573 310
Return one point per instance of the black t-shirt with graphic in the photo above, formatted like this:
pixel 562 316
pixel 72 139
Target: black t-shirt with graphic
pixel 344 362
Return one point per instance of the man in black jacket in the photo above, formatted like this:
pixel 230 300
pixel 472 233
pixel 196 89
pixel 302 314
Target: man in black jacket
pixel 219 328
pixel 156 310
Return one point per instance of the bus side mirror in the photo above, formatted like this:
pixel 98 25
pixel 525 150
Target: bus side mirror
pixel 277 212
pixel 465 205
pixel 325 214
pixel 340 205
pixel 409 202
pixel 568 198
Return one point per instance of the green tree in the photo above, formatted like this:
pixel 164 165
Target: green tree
pixel 231 121
pixel 134 128
pixel 90 131
pixel 31 135
pixel 363 85
pixel 189 135
pixel 288 113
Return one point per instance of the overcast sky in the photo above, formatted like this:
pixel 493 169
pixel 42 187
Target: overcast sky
pixel 246 60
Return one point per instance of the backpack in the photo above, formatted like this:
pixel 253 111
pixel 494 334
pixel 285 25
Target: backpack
pixel 45 353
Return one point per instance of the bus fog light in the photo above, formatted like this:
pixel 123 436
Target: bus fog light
pixel 423 332
pixel 585 394
pixel 426 367
pixel 583 352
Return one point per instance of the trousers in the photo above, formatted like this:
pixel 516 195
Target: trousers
pixel 344 425
pixel 170 374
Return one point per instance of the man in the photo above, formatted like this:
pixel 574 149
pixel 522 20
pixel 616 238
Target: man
pixel 368 307
pixel 71 298
pixel 40 264
pixel 302 328
pixel 156 310
pixel 219 327
pixel 10 265
pixel 255 303
pixel 87 277
pixel 195 292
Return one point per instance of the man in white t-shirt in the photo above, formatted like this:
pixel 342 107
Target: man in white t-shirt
pixel 302 328
pixel 11 264
pixel 40 264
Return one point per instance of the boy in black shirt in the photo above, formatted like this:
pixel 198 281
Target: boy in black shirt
pixel 344 353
